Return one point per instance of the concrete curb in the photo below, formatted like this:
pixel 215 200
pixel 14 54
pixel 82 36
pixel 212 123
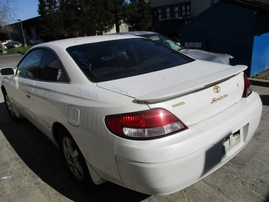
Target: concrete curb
pixel 259 82
pixel 9 55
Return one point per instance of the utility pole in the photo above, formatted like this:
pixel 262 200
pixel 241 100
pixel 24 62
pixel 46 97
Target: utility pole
pixel 24 44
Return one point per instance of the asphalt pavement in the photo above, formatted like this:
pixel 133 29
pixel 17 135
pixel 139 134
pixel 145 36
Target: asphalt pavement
pixel 31 169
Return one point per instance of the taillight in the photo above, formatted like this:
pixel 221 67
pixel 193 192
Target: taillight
pixel 148 124
pixel 247 89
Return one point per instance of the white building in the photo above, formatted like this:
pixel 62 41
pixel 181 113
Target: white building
pixel 184 8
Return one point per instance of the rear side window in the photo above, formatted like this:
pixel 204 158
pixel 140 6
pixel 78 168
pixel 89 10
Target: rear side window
pixel 117 59
pixel 51 68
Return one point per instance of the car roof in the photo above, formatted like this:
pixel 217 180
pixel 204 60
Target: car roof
pixel 65 43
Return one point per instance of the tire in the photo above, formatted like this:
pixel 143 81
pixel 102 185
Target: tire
pixel 74 160
pixel 10 108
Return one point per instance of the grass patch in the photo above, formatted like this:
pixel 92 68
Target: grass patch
pixel 19 50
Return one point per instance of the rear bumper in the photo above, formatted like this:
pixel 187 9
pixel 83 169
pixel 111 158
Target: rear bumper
pixel 169 164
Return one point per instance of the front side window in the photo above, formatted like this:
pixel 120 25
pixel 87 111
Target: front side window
pixel 109 60
pixel 29 66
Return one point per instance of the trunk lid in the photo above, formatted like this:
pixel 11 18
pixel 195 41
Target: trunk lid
pixel 193 92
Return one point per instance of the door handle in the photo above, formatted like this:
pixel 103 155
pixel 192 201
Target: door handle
pixel 28 95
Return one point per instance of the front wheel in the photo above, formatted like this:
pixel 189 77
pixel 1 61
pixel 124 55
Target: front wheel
pixel 74 161
pixel 11 110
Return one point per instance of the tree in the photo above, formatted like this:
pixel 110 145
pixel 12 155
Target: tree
pixel 116 9
pixel 7 8
pixel 50 21
pixel 106 20
pixel 71 15
pixel 69 18
pixel 92 17
pixel 139 15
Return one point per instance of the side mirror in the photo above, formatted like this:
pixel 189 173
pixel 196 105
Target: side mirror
pixel 6 71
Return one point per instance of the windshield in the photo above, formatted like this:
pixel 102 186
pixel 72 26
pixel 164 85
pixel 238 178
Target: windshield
pixel 164 40
pixel 109 60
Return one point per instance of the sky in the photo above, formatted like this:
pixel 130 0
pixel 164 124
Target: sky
pixel 26 9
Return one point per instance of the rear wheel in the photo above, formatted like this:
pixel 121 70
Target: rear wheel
pixel 10 108
pixel 74 161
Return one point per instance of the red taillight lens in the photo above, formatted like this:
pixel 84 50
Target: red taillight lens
pixel 149 124
pixel 247 89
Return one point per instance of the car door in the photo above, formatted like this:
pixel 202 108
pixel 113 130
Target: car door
pixel 48 101
pixel 22 84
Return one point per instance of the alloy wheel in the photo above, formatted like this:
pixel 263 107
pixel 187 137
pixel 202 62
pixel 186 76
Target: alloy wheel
pixel 72 157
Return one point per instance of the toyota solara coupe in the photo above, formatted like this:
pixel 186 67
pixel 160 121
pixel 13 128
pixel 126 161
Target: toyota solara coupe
pixel 134 112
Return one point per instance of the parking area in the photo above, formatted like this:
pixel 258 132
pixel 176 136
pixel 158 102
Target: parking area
pixel 31 169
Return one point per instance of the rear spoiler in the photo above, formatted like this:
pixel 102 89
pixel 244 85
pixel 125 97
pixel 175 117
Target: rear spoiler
pixel 191 86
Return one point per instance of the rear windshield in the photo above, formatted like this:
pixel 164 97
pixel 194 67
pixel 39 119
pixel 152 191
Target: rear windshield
pixel 110 60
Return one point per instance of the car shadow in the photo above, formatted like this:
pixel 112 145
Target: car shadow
pixel 267 198
pixel 265 99
pixel 19 52
pixel 44 159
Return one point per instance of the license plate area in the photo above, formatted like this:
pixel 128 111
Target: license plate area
pixel 230 141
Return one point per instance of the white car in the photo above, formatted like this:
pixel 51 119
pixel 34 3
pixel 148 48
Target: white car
pixel 4 46
pixel 193 53
pixel 125 109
